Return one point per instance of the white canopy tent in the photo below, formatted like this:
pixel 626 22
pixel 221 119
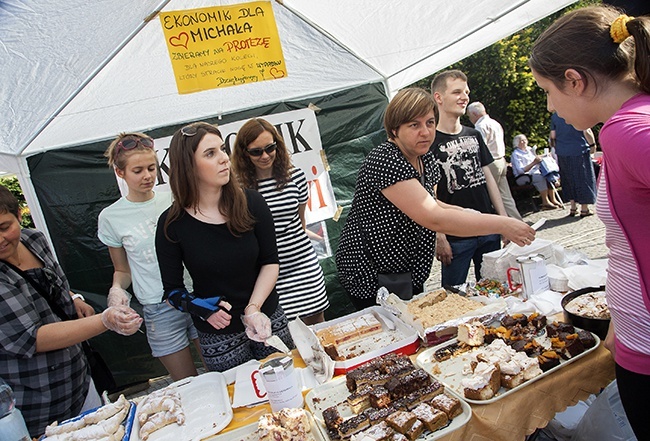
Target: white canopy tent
pixel 75 71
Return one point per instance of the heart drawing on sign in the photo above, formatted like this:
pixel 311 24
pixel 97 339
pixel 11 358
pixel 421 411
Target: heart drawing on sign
pixel 277 73
pixel 180 40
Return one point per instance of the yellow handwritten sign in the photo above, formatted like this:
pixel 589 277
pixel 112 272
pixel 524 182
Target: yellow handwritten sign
pixel 223 46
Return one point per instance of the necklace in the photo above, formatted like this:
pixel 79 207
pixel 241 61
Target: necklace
pixel 20 260
pixel 421 170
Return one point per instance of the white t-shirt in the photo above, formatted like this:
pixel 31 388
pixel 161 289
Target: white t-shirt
pixel 132 225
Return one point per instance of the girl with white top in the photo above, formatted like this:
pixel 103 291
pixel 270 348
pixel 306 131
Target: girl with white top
pixel 128 228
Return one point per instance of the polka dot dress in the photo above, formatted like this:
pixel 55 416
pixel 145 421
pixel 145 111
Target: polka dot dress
pixel 377 237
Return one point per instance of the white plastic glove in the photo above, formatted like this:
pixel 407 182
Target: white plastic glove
pixel 258 326
pixel 118 297
pixel 121 319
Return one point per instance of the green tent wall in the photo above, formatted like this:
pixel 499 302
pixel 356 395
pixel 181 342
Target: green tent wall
pixel 75 184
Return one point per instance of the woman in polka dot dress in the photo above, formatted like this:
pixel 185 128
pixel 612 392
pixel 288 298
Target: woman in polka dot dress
pixel 394 216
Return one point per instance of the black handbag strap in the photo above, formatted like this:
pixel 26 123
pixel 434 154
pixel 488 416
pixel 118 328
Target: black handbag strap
pixel 56 309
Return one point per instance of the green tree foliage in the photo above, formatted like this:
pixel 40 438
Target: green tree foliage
pixel 14 187
pixel 500 78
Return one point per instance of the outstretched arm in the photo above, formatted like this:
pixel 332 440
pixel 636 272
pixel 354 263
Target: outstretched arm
pixel 414 201
pixel 60 335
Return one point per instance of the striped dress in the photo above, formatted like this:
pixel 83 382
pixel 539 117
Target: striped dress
pixel 300 285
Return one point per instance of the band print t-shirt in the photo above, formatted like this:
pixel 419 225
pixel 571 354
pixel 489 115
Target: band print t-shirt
pixel 461 158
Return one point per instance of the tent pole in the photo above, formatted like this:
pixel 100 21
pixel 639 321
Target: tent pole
pixel 93 74
pixel 35 209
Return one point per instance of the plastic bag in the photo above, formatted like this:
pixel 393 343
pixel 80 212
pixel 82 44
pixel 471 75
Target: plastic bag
pixel 548 165
pixel 605 419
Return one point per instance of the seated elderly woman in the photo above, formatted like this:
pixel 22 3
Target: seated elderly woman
pixel 525 161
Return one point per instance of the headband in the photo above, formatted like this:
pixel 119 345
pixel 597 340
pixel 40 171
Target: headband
pixel 618 28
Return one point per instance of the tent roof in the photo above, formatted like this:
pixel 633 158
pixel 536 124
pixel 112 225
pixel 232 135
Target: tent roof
pixel 76 71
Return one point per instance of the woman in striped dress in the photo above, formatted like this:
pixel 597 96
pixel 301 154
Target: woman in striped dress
pixel 262 162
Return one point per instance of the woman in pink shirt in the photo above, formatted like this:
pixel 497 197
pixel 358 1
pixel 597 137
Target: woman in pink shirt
pixel 594 65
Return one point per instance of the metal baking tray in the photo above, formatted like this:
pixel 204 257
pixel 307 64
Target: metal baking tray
pixel 336 392
pixel 451 370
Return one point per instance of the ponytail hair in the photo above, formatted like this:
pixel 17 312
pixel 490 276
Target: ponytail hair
pixel 582 40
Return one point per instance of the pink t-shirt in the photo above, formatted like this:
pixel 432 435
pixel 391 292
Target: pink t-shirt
pixel 623 290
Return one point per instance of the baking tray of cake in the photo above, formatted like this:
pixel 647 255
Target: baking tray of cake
pixel 386 334
pixel 335 393
pixel 249 433
pixel 206 404
pixel 457 367
pixel 436 314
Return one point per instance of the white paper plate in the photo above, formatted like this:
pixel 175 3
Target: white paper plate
pixel 451 370
pixel 336 392
pixel 249 433
pixel 207 410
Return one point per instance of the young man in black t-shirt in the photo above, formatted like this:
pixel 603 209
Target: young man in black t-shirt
pixel 466 181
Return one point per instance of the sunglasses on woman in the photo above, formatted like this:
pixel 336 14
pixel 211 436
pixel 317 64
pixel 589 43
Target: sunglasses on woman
pixel 192 129
pixel 259 151
pixel 131 143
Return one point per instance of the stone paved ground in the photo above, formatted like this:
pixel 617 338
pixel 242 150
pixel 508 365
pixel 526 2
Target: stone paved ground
pixel 573 233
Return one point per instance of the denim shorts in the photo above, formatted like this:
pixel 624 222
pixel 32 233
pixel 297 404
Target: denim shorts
pixel 168 329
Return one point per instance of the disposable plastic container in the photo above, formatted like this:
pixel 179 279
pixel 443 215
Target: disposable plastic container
pixel 12 424
pixel 605 419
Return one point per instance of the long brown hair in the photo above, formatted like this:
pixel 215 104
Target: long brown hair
pixel 241 161
pixel 185 185
pixel 581 40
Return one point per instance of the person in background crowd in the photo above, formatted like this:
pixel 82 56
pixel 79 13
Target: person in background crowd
pixel 128 228
pixel 262 162
pixel 525 161
pixel 494 139
pixel 466 179
pixel 594 65
pixel 391 227
pixel 40 353
pixel 225 237
pixel 573 149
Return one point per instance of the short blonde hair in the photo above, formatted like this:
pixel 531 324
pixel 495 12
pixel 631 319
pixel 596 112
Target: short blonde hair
pixel 120 158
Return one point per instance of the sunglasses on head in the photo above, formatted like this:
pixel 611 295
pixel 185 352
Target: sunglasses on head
pixel 193 129
pixel 259 151
pixel 131 143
